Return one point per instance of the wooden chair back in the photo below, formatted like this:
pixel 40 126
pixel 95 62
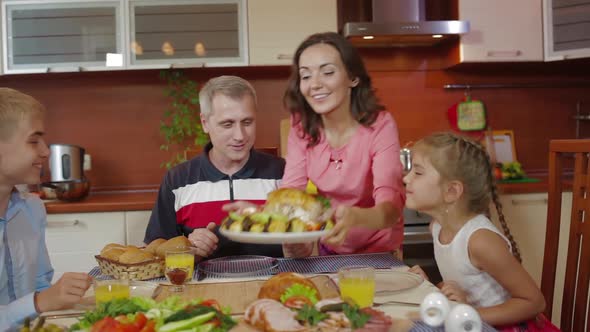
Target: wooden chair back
pixel 577 275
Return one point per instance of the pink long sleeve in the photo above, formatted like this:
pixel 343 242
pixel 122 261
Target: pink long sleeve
pixel 295 175
pixel 370 172
pixel 387 167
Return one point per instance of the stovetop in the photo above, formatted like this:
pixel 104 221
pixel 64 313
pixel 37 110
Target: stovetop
pixel 413 217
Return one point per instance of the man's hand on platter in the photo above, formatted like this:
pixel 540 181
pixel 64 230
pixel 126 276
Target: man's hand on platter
pixel 66 292
pixel 297 250
pixel 240 207
pixel 204 240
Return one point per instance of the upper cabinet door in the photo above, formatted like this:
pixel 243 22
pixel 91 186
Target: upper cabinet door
pixel 42 36
pixel 277 27
pixel 187 33
pixel 502 30
pixel 567 29
pixel 1 34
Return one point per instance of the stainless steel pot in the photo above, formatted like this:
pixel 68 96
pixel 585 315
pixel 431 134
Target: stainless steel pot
pixel 406 159
pixel 74 190
pixel 66 162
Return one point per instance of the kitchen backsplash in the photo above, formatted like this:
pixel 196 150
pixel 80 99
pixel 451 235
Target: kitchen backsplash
pixel 116 115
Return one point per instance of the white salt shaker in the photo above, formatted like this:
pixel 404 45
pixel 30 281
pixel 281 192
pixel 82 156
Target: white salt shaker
pixel 463 318
pixel 434 309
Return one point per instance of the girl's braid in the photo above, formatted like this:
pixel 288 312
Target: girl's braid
pixel 482 153
pixel 496 200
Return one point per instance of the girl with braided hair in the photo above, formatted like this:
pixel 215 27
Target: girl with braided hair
pixel 452 180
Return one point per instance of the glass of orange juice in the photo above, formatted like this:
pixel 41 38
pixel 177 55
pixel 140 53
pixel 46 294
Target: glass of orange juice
pixel 106 290
pixel 357 285
pixel 180 265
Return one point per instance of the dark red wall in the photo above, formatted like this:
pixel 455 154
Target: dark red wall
pixel 116 115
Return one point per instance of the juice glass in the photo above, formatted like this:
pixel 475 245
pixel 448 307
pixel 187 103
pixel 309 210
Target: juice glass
pixel 106 290
pixel 180 265
pixel 357 285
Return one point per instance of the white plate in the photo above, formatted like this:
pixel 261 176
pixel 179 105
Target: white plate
pixel 387 282
pixel 272 238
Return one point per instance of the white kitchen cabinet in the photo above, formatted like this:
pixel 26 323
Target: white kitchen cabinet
pixel 187 33
pixel 526 215
pixel 135 225
pixel 277 27
pixel 1 38
pixel 74 238
pixel 502 30
pixel 566 29
pixel 76 35
pixel 50 36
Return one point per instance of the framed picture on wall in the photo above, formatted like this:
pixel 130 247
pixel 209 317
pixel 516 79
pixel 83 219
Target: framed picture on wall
pixel 500 145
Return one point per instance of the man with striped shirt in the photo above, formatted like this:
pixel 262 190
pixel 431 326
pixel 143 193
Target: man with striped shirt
pixel 192 193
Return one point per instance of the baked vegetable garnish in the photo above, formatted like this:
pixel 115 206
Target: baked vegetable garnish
pixel 286 210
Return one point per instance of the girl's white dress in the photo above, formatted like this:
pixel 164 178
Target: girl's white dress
pixel 454 264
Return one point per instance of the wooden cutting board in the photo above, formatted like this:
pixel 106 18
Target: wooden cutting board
pixel 238 295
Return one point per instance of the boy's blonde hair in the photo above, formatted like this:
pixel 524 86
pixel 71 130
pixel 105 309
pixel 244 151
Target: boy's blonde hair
pixel 460 158
pixel 15 107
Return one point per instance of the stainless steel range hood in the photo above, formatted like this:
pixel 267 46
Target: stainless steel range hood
pixel 402 23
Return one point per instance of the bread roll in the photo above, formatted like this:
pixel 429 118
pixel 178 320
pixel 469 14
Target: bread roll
pixel 110 246
pixel 112 253
pixel 151 248
pixel 175 243
pixel 274 287
pixel 134 255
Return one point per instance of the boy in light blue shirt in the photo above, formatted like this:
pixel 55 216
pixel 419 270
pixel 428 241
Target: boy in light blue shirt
pixel 25 270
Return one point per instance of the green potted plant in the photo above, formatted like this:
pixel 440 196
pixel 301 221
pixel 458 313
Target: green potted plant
pixel 182 119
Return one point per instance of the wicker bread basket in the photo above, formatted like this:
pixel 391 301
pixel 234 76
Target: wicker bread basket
pixel 138 271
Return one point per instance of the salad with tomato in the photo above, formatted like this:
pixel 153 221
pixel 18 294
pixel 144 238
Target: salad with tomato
pixel 139 314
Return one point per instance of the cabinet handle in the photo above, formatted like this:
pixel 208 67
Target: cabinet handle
pixel 284 56
pixel 187 65
pixel 63 224
pixel 529 201
pixel 64 69
pixel 504 54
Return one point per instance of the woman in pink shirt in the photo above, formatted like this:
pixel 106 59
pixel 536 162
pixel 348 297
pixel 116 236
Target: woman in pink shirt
pixel 347 145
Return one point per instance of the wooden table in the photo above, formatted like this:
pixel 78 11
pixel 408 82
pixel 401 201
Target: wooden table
pixel 404 312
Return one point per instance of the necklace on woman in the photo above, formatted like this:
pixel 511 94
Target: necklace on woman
pixel 337 142
pixel 336 157
pixel 337 162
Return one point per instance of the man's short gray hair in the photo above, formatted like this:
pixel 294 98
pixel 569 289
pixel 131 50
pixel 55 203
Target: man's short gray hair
pixel 230 86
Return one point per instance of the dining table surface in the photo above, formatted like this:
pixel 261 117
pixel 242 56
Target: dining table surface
pixel 402 305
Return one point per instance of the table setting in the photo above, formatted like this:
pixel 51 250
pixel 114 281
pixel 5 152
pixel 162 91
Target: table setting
pixel 360 292
pixel 235 282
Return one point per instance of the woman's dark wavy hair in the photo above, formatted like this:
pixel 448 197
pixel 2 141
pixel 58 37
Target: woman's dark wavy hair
pixel 364 104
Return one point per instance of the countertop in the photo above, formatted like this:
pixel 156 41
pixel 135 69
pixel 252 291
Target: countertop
pixel 137 201
pixel 106 202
